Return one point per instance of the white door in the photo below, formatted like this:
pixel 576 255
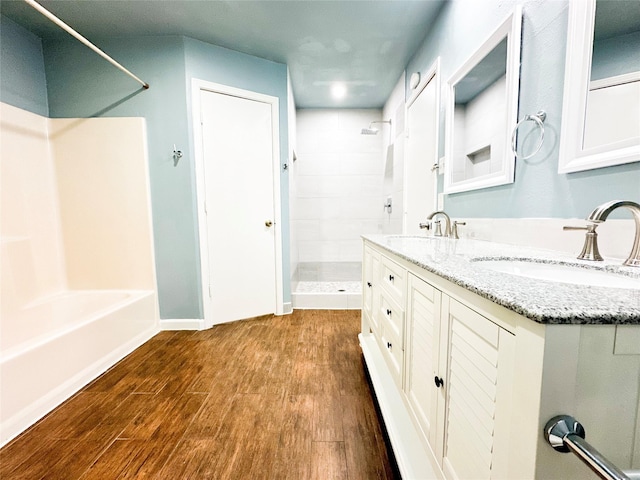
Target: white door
pixel 239 159
pixel 422 154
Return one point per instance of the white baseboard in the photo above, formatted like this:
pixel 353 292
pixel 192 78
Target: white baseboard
pixel 182 324
pixel 287 308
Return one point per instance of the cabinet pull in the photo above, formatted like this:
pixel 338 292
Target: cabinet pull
pixel 369 284
pixel 388 312
pixel 438 381
pixel 391 278
pixel 389 345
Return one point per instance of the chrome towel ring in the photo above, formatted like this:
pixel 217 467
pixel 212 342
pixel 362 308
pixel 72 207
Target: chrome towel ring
pixel 539 119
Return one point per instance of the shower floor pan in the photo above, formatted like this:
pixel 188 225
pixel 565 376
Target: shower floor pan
pixel 327 285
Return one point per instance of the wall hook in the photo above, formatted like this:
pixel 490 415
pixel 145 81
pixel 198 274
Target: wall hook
pixel 177 155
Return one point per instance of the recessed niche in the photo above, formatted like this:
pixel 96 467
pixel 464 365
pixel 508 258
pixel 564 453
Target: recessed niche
pixel 480 157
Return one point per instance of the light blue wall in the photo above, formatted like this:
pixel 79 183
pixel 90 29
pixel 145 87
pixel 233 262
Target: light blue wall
pixel 539 191
pixel 227 67
pixel 81 84
pixel 22 78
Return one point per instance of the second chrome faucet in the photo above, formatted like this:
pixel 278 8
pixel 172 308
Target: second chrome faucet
pixel 599 215
pixel 450 229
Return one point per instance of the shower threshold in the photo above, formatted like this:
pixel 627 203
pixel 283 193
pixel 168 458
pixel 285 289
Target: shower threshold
pixel 327 285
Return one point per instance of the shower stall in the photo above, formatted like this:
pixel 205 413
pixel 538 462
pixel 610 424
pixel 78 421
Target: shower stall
pixel 327 285
pixel 336 195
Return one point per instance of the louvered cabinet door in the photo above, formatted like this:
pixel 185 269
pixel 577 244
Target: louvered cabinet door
pixel 478 390
pixel 422 357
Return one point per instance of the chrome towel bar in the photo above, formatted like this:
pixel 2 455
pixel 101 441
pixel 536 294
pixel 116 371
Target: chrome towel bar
pixel 565 434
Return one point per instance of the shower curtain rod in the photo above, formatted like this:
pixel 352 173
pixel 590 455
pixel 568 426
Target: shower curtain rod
pixel 83 40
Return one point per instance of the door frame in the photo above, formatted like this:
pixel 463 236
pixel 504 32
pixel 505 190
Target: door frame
pixel 197 86
pixel 431 75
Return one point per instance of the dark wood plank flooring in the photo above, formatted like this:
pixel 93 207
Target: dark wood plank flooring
pixel 265 398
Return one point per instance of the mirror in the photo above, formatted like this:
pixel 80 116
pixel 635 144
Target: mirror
pixel 482 109
pixel 600 114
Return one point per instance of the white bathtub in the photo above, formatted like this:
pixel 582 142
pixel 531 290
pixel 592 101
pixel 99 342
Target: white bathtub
pixel 53 347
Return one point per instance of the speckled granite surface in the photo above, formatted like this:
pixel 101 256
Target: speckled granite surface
pixel 543 301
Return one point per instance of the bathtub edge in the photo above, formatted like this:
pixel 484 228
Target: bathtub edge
pixel 22 420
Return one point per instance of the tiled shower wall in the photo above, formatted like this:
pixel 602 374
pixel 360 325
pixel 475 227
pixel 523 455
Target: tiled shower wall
pixel 393 148
pixel 337 184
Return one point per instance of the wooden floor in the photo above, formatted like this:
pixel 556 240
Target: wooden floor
pixel 267 398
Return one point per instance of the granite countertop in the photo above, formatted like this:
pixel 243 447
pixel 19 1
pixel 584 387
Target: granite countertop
pixel 543 301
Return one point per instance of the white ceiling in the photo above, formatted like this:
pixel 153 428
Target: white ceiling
pixel 365 44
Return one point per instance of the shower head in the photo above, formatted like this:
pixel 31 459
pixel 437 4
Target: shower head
pixel 372 130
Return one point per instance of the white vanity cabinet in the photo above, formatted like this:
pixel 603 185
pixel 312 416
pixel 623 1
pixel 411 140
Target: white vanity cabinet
pixel 451 363
pixel 459 368
pixel 466 386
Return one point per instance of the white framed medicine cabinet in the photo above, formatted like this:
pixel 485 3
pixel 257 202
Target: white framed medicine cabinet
pixel 600 113
pixel 482 109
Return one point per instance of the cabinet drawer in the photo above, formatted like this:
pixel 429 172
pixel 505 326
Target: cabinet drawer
pixel 393 279
pixel 370 287
pixel 392 316
pixel 392 351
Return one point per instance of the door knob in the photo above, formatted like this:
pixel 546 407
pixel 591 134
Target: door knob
pixel 268 223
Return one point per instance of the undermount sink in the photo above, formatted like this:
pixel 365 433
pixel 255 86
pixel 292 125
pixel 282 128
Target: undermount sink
pixel 558 272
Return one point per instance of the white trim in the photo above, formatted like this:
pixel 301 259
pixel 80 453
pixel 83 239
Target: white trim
pixel 510 28
pixel 433 73
pixel 197 86
pixel 287 308
pixel 572 157
pixel 169 324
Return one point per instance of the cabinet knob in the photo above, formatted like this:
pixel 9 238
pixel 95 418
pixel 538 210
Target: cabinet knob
pixel 388 312
pixel 369 284
pixel 438 381
pixel 389 345
pixel 391 278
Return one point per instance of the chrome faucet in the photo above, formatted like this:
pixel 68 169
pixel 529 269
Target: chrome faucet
pixel 590 248
pixel 598 216
pixel 447 223
pixel 601 213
